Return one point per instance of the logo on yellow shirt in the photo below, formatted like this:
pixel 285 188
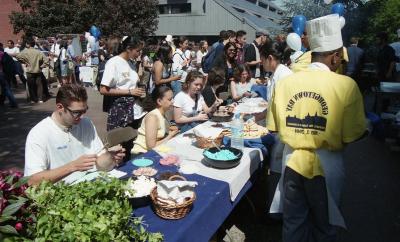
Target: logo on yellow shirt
pixel 315 122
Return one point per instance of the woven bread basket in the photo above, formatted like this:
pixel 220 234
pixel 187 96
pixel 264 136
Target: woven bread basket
pixel 169 209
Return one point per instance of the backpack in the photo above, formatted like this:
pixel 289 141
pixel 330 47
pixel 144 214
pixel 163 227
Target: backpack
pixel 208 60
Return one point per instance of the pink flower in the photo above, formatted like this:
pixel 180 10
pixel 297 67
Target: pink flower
pixel 18 226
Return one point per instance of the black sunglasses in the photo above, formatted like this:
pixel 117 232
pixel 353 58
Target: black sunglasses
pixel 77 113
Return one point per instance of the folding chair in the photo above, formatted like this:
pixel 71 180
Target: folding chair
pixel 119 136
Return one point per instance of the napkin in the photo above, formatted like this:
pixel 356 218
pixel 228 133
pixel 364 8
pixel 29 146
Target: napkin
pixel 176 190
pixel 207 132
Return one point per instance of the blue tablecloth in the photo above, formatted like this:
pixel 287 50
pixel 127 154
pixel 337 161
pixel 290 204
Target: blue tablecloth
pixel 261 90
pixel 211 207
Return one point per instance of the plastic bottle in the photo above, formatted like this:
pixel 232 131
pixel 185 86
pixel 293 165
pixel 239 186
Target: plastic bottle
pixel 237 133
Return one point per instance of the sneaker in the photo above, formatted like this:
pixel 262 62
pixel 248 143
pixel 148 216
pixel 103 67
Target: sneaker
pixel 40 101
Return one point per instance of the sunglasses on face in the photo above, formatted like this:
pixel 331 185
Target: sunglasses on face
pixel 77 113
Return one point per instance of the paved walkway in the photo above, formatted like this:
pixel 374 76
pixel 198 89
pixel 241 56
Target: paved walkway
pixel 371 200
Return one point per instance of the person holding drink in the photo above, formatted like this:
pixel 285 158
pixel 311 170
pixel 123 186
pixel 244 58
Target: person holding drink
pixel 120 83
pixel 162 68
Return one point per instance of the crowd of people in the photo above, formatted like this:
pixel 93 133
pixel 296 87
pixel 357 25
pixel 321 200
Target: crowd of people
pixel 161 88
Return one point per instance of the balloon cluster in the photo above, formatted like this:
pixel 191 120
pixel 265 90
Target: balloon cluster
pixel 294 39
pixel 338 8
pixel 95 32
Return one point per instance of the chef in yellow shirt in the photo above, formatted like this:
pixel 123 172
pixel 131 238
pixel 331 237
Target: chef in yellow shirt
pixel 316 112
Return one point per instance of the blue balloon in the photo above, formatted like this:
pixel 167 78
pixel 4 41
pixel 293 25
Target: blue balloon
pixel 95 32
pixel 299 24
pixel 338 8
pixel 298 31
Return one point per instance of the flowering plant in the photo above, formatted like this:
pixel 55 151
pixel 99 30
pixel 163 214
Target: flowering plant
pixel 13 202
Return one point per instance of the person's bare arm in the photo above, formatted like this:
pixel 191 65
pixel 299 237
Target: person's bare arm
pixel 151 130
pixel 158 68
pixel 107 91
pixel 83 163
pixel 182 119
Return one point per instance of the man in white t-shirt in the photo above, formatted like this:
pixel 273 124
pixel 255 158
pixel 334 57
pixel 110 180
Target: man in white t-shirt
pixel 11 49
pixel 65 145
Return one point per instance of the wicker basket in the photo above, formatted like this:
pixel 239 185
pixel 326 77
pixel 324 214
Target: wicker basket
pixel 171 210
pixel 205 143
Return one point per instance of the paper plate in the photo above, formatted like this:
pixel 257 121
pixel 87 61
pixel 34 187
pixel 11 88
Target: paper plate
pixel 142 162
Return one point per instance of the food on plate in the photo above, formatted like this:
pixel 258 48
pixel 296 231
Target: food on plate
pixel 217 125
pixel 223 155
pixel 170 160
pixel 221 114
pixel 140 187
pixel 173 128
pixel 263 104
pixel 253 130
pixel 223 111
pixel 145 171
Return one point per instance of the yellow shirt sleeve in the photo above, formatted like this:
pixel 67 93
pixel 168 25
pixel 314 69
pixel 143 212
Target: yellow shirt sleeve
pixel 271 115
pixel 354 122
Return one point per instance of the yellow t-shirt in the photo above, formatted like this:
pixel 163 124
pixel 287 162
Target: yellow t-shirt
pixel 302 63
pixel 140 142
pixel 316 109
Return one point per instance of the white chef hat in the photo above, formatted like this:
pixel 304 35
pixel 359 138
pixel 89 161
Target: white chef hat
pixel 324 33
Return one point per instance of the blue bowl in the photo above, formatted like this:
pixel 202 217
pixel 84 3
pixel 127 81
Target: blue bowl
pixel 223 164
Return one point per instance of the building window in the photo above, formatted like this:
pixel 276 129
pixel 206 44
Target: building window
pixel 175 8
pixel 239 10
pixel 252 1
pixel 263 5
pixel 257 15
pixel 272 9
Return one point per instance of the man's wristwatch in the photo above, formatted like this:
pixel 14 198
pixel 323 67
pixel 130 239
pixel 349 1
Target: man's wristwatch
pixel 129 91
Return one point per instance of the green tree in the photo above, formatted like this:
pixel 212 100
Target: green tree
pixel 114 17
pixel 384 16
pixel 309 8
pixel 315 8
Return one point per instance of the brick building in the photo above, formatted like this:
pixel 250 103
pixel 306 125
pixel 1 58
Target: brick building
pixel 6 29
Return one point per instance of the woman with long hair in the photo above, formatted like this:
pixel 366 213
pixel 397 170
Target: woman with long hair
pixel 120 81
pixel 180 63
pixel 190 108
pixel 215 79
pixel 155 128
pixel 227 62
pixel 162 67
pixel 242 83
